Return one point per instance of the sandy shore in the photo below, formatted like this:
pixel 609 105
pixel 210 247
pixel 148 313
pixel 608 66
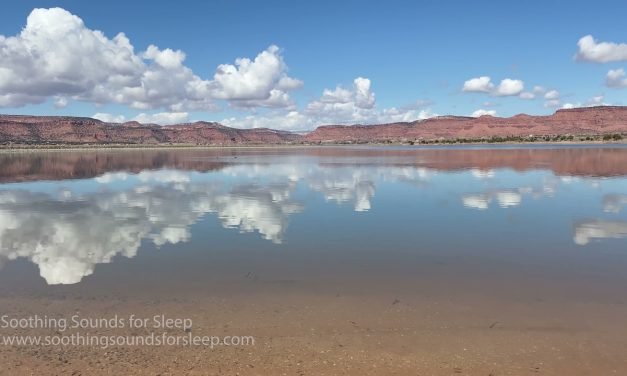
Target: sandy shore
pixel 321 335
pixel 443 320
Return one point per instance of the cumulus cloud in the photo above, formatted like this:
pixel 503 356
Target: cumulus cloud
pixel 483 84
pixel 509 87
pixel 259 82
pixel 162 118
pixel 553 94
pixel 358 105
pixel 334 106
pixel 598 100
pixel 527 95
pixel 600 52
pixel 480 84
pixel 109 118
pixel 360 95
pixel 482 112
pixel 552 99
pixel 340 105
pixel 538 90
pixel 616 78
pixel 292 120
pixel 57 56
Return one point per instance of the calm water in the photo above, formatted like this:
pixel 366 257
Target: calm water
pixel 86 217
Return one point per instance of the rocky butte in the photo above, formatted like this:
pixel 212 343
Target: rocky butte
pixel 578 121
pixel 46 130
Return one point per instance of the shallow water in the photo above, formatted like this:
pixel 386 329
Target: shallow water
pixel 533 239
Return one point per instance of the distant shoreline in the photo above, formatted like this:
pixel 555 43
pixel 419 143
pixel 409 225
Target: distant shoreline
pixel 81 147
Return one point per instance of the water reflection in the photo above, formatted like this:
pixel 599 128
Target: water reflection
pixel 587 231
pixel 481 201
pixel 67 226
pixel 613 203
pixel 67 235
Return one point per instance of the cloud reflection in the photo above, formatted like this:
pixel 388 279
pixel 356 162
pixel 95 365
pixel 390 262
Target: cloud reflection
pixel 613 203
pixel 481 201
pixel 68 236
pixel 586 231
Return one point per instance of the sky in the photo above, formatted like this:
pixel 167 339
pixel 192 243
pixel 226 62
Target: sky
pixel 295 65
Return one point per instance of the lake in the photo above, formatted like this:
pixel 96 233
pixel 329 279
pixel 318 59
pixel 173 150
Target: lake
pixel 337 260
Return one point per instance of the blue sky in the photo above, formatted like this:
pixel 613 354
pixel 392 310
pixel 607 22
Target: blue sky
pixel 413 58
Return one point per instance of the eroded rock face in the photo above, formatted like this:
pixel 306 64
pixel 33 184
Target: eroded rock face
pixel 76 130
pixel 579 121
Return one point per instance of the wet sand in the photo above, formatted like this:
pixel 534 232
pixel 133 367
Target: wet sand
pixel 428 315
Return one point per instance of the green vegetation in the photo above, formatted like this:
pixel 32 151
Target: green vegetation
pixel 524 139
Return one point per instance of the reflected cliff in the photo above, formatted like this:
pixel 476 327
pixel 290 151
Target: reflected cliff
pixel 579 160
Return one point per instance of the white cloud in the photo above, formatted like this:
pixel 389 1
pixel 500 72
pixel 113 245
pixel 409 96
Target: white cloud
pixel 253 81
pixel 358 105
pixel 364 98
pixel 527 95
pixel 360 95
pixel 337 106
pixel 277 99
pixel 483 84
pixel 394 115
pixel 552 99
pixel 594 101
pixel 538 90
pixel 509 87
pixel 616 78
pixel 552 103
pixel 480 84
pixel 292 120
pixel 162 118
pixel 482 112
pixel 109 118
pixel 60 102
pixel 57 56
pixel 553 94
pixel 597 101
pixel 167 58
pixel 600 52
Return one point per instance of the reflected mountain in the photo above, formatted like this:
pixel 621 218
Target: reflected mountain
pixel 604 161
